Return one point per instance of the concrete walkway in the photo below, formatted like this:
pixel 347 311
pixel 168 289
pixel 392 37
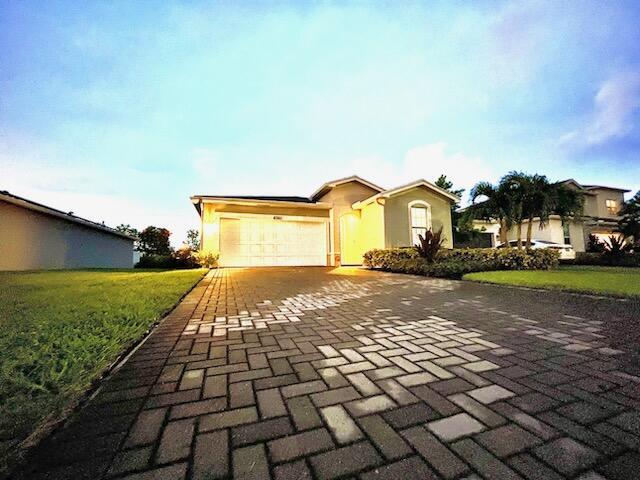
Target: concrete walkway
pixel 295 373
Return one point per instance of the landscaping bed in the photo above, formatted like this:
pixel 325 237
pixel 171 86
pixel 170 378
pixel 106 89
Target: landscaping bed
pixel 456 263
pixel 60 329
pixel 606 260
pixel 615 281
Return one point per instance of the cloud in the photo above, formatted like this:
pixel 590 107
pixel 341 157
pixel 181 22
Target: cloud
pixel 617 99
pixel 516 40
pixel 424 161
pixel 96 193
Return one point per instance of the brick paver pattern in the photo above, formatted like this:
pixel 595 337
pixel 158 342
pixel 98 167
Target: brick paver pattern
pixel 316 373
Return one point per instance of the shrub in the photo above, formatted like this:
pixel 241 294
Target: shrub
pixel 184 258
pixel 455 263
pixel 595 245
pixel 207 259
pixel 155 261
pixel 430 244
pixel 602 259
pixel 385 258
pixel 616 246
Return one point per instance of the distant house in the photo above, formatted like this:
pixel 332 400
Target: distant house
pixel 335 225
pixel 34 236
pixel 600 218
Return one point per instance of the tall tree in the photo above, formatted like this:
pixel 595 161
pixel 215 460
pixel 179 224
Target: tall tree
pixel 517 185
pixel 154 241
pixel 446 184
pixel 127 230
pixel 629 224
pixel 193 239
pixel 566 202
pixel 131 231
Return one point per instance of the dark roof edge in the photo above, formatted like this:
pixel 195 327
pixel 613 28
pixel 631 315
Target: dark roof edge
pixel 268 198
pixel 39 207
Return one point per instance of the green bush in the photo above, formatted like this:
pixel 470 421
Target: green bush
pixel 155 261
pixel 603 259
pixel 385 258
pixel 456 263
pixel 180 259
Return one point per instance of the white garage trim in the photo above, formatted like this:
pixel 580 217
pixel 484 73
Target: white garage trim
pixel 248 240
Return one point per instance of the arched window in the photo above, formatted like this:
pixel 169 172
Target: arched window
pixel 419 219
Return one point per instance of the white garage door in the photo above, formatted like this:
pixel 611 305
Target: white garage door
pixel 265 241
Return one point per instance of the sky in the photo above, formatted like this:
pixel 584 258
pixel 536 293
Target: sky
pixel 119 111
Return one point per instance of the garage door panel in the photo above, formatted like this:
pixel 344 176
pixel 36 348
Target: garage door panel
pixel 269 242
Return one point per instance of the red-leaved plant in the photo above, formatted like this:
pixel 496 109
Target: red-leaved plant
pixel 430 244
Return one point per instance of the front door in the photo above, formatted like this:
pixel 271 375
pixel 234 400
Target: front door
pixel 350 251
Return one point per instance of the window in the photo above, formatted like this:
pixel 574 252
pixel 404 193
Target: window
pixel 567 233
pixel 612 207
pixel 420 221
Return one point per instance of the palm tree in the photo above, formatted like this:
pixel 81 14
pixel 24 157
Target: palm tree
pixel 517 184
pixel 519 197
pixel 497 206
pixel 539 200
pixel 629 224
pixel 566 202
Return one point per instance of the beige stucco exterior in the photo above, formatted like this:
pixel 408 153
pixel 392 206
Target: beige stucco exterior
pixel 397 218
pixel 359 216
pixel 595 205
pixel 31 240
pixel 341 198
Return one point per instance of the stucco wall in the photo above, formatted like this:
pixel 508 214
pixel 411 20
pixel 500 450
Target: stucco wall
pixel 553 232
pixel 396 216
pixel 603 194
pixel 31 240
pixel 342 197
pixel 372 227
pixel 576 233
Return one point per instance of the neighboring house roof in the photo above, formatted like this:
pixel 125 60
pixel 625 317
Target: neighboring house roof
pixel 68 216
pixel 597 187
pixel 586 188
pixel 404 188
pixel 334 183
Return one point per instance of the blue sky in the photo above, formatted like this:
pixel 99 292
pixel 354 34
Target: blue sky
pixel 119 111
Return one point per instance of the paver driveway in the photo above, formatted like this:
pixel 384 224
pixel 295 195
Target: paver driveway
pixel 312 373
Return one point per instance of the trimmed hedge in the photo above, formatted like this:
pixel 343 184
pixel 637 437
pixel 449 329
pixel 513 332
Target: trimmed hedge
pixel 456 263
pixel 167 262
pixel 606 260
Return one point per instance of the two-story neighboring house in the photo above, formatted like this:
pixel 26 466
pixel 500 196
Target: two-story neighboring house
pixel 601 207
pixel 600 218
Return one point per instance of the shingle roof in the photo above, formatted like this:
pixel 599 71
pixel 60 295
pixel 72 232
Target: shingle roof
pixel 270 198
pixel 68 216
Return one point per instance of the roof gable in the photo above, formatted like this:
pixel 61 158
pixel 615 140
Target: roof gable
pixel 341 181
pixel 409 186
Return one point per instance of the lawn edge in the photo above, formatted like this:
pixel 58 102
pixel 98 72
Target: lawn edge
pixel 53 422
pixel 579 293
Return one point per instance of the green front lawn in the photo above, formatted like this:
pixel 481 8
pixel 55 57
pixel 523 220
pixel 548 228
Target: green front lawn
pixel 616 281
pixel 60 329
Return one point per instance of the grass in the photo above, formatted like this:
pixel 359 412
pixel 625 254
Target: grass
pixel 60 329
pixel 616 281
